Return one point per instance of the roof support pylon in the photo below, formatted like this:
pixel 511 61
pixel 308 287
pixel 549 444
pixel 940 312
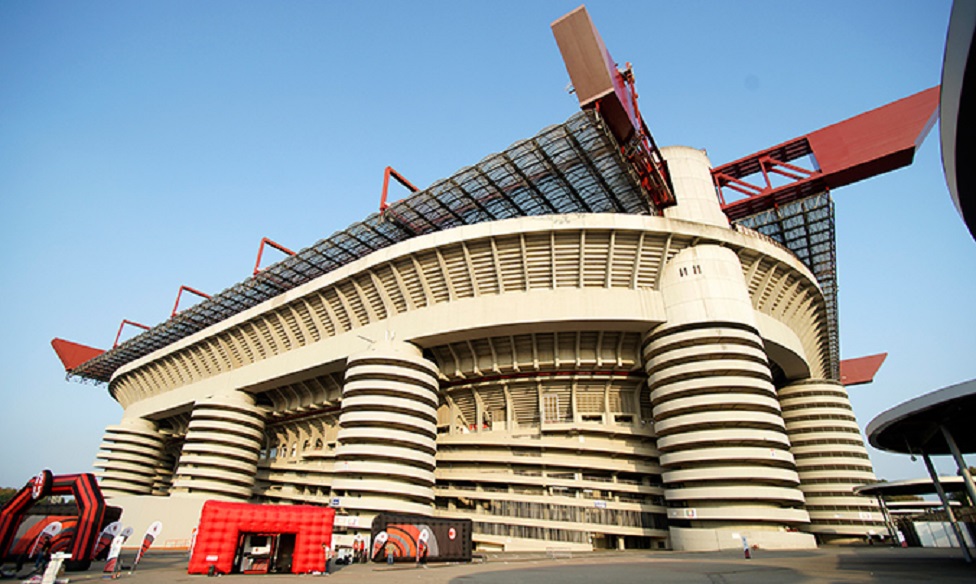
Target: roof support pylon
pixel 179 294
pixel 121 326
pixel 277 246
pixel 387 173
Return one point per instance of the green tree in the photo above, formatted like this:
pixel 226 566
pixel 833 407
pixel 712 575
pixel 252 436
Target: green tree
pixel 903 498
pixel 6 494
pixel 961 495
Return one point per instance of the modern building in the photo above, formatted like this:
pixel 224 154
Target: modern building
pixel 958 108
pixel 537 343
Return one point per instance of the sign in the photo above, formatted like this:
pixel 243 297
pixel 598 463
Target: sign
pixel 689 513
pixel 39 484
pixel 335 502
pixel 600 504
pixel 346 521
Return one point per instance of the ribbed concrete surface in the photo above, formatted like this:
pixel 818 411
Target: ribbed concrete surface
pixel 386 442
pixel 219 457
pixel 830 458
pixel 127 458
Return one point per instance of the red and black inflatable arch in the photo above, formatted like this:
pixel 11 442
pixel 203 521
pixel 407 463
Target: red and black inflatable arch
pixel 91 512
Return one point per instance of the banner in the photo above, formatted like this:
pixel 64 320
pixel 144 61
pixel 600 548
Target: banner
pixel 50 530
pixel 105 538
pixel 112 563
pixel 379 540
pixel 151 534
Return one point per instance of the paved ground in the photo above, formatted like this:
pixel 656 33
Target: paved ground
pixel 826 565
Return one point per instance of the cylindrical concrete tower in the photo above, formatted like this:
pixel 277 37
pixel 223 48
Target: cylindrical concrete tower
pixel 219 457
pixel 691 177
pixel 720 432
pixel 830 458
pixel 386 441
pixel 721 435
pixel 128 456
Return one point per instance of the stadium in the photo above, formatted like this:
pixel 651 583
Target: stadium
pixel 575 343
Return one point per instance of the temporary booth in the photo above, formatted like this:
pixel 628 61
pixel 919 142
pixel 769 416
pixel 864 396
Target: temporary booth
pixel 255 539
pixel 407 537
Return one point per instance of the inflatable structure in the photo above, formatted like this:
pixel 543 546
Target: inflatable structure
pixel 80 532
pixel 296 537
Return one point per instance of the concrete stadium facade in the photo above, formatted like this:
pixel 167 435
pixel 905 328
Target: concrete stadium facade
pixel 591 380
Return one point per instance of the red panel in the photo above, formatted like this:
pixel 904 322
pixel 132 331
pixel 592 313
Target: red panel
pixel 860 370
pixel 221 525
pixel 872 143
pixel 73 354
pixel 877 141
pixel 593 72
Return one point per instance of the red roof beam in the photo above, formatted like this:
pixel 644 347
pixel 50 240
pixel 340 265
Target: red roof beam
pixel 387 173
pixel 872 143
pixel 121 326
pixel 749 165
pixel 277 246
pixel 791 170
pixel 176 307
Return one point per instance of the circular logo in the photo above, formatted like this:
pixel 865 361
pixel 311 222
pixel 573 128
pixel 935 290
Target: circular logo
pixel 38 484
pixel 451 533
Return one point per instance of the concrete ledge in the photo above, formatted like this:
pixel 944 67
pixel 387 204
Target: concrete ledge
pixel 710 540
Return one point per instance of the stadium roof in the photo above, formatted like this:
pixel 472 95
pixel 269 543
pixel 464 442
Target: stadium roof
pixel 574 167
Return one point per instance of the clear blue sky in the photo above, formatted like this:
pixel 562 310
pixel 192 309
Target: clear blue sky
pixel 145 145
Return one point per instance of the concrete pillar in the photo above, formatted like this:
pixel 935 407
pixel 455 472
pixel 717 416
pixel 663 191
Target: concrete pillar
pixel 691 178
pixel 388 431
pixel 128 457
pixel 220 453
pixel 830 458
pixel 723 444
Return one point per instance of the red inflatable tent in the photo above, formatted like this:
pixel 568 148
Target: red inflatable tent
pixel 223 526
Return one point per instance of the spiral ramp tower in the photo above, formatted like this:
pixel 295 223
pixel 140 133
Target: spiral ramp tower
pixel 128 456
pixel 831 460
pixel 386 447
pixel 724 450
pixel 220 452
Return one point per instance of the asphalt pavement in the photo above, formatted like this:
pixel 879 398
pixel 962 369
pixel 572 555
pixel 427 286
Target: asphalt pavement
pixel 824 565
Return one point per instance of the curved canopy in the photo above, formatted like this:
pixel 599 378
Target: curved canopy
pixel 913 427
pixel 912 487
